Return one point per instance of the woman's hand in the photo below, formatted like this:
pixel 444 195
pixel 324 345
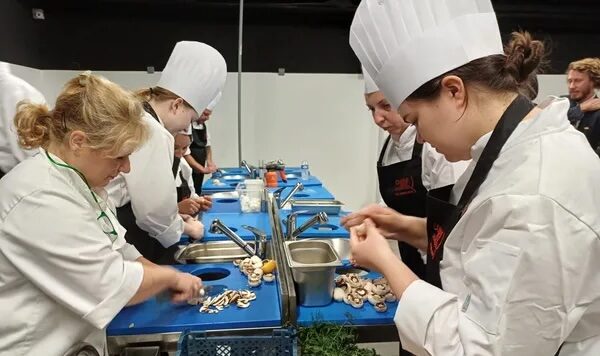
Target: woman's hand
pixel 185 286
pixel 188 206
pixel 369 247
pixel 193 228
pixel 204 202
pixel 389 222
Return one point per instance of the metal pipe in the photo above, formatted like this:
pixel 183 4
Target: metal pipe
pixel 240 47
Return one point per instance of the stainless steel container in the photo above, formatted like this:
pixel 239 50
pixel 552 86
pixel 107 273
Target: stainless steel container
pixel 331 207
pixel 313 265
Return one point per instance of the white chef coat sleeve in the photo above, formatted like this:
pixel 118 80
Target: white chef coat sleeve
pixel 129 252
pixel 530 272
pixel 55 241
pixel 152 190
pixel 207 138
pixel 436 171
pixel 187 152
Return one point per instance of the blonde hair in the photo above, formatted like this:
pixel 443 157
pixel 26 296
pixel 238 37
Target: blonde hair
pixel 159 94
pixel 591 66
pixel 110 116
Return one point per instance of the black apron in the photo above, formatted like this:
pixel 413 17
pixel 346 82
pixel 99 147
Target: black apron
pixel 199 152
pixel 442 215
pixel 402 189
pixel 148 246
pixel 183 191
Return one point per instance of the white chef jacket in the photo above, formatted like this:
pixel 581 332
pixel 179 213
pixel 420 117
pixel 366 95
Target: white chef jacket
pixel 520 269
pixel 12 91
pixel 436 171
pixel 62 280
pixel 186 171
pixel 150 186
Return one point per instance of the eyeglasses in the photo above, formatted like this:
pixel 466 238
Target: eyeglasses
pixel 105 223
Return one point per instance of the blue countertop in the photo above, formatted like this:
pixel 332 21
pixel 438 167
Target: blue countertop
pixel 153 316
pixel 342 313
pixel 225 206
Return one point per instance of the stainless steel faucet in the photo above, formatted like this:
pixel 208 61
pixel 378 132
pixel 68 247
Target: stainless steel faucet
pixel 293 232
pixel 244 164
pixel 260 241
pixel 277 194
pixel 260 238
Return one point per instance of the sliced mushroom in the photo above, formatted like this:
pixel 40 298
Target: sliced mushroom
pixel 381 307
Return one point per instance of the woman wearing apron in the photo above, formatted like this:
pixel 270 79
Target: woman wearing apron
pixel 406 169
pixel 513 248
pixel 65 268
pixel 147 197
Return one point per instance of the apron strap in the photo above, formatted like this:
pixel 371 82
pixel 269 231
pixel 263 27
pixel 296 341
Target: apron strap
pixel 509 121
pixel 383 149
pixel 417 149
pixel 175 167
pixel 148 108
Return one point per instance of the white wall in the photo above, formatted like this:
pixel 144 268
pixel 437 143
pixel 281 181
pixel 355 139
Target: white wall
pixel 320 118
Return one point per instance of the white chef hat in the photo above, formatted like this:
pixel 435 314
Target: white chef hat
pixel 403 44
pixel 4 67
pixel 196 72
pixel 214 102
pixel 370 86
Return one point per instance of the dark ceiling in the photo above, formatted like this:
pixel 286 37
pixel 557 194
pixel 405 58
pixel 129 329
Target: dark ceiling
pixel 300 36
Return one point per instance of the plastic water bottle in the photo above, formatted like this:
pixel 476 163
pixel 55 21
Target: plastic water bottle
pixel 304 170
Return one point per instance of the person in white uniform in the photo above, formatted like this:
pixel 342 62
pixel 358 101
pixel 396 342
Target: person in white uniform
pixel 513 247
pixel 65 268
pixel 146 198
pixel 199 155
pixel 407 168
pixel 13 90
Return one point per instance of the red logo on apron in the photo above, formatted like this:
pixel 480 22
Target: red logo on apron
pixel 436 240
pixel 404 186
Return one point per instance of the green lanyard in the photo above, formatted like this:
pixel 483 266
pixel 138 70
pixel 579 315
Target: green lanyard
pixel 105 223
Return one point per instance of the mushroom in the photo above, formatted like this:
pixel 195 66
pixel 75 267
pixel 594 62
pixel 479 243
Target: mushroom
pixel 380 307
pixel 361 292
pixel 339 294
pixel 375 298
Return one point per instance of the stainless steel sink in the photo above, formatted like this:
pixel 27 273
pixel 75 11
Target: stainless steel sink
pixel 210 252
pixel 313 264
pixel 340 245
pixel 311 253
pixel 225 195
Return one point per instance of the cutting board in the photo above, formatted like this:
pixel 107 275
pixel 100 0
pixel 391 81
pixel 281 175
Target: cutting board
pixel 153 316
